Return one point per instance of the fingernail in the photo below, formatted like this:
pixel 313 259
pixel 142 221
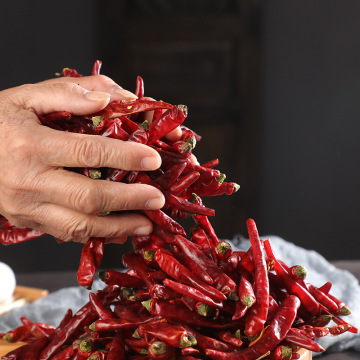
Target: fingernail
pixel 142 230
pixel 97 96
pixel 125 94
pixel 155 203
pixel 151 162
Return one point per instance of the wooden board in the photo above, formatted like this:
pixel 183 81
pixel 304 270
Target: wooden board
pixel 22 295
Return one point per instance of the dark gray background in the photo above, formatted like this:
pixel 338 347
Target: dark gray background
pixel 308 169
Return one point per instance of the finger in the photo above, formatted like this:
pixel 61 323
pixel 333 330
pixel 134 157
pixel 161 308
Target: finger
pixel 59 148
pixel 174 135
pixel 83 194
pixel 71 225
pixel 61 96
pixel 98 83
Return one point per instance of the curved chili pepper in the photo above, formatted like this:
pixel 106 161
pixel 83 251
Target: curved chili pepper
pixel 179 272
pixel 227 188
pixel 18 334
pixel 168 178
pixel 297 337
pixel 96 67
pixel 205 342
pixel 113 277
pixel 67 72
pixel 199 237
pixel 91 256
pixel 230 338
pixel 271 337
pixel 120 108
pixel 162 292
pixel 317 332
pixel 167 122
pixel 15 235
pixel 139 92
pixel 192 293
pixel 112 128
pixel 221 281
pixel 100 309
pixel 281 352
pixel 116 324
pixel 173 335
pixel 136 262
pixel 38 330
pixel 257 314
pixel 117 347
pixel 183 183
pixel 326 287
pixel 293 287
pixel 69 331
pixel 164 221
pixel 177 312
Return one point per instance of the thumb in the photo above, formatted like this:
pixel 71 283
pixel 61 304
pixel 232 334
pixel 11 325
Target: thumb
pixel 44 98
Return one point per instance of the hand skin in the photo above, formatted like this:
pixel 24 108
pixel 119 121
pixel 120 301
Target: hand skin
pixel 35 189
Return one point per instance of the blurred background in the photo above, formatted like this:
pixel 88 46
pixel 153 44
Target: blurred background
pixel 272 87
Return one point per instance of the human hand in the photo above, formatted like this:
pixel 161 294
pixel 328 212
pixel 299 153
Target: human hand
pixel 35 189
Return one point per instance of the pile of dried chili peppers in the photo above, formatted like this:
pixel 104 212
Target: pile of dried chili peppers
pixel 184 296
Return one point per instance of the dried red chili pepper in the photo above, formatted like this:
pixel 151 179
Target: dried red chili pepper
pixel 113 277
pixel 112 128
pixel 96 67
pixel 90 260
pixel 116 324
pixel 137 263
pixel 257 314
pixel 173 335
pixel 36 329
pixel 293 287
pixel 221 281
pixel 15 235
pixel 317 332
pixel 192 293
pixel 297 337
pixel 281 352
pixel 205 342
pixel 271 337
pixel 119 108
pixel 139 92
pixel 199 237
pixel 69 331
pixel 18 334
pixel 168 178
pixel 100 309
pixel 230 338
pixel 165 222
pixel 183 183
pixel 326 287
pixel 180 273
pixel 67 72
pixel 167 122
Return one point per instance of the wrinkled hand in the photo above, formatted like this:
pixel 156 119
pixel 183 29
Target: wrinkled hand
pixel 35 189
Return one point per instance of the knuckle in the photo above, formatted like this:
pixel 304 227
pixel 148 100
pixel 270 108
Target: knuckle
pixel 20 148
pixel 86 199
pixel 77 228
pixel 89 153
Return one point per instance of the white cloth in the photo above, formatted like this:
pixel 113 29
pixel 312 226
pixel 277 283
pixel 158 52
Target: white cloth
pixel 52 308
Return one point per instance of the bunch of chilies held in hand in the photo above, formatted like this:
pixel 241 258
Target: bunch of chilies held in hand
pixel 180 298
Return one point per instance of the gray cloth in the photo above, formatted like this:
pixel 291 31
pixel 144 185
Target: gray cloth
pixel 345 287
